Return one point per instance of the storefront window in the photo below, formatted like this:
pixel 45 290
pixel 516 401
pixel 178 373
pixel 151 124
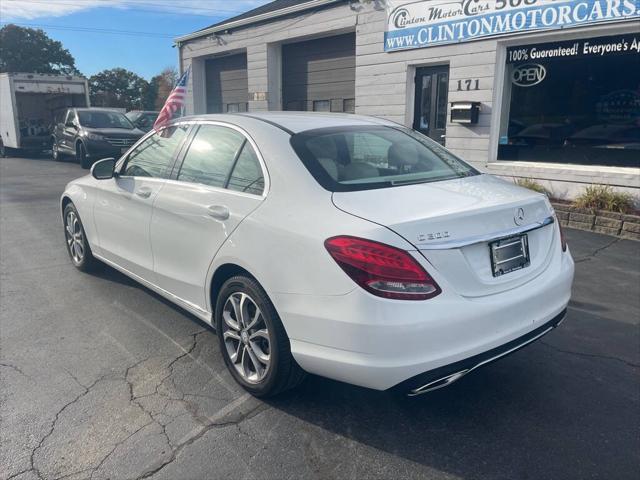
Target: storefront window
pixel 573 102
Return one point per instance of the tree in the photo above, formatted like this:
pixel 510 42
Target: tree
pixel 161 86
pixel 32 51
pixel 119 88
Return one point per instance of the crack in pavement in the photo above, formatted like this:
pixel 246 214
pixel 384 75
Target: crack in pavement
pixel 202 432
pixel 597 251
pixel 124 440
pixel 73 474
pixel 591 355
pixel 33 468
pixel 188 352
pixel 226 417
pixel 85 390
pixel 133 399
pixel 153 418
pixel 115 447
pixel 15 368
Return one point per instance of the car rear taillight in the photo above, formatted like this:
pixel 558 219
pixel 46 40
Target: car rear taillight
pixel 381 269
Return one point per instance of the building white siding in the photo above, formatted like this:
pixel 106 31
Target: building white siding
pixel 384 82
pixel 385 86
pixel 258 41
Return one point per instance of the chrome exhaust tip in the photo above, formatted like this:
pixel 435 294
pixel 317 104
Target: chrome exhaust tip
pixel 438 383
pixel 483 359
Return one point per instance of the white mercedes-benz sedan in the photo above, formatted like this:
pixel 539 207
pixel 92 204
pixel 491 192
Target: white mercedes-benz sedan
pixel 340 245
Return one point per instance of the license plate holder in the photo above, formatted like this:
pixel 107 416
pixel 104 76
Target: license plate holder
pixel 509 254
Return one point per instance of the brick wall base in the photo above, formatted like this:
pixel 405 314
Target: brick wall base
pixel 610 223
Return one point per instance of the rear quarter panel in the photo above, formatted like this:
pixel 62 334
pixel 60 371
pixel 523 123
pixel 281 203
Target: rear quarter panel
pixel 282 242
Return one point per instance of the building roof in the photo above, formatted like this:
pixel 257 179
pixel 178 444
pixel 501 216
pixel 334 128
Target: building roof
pixel 266 8
pixel 267 11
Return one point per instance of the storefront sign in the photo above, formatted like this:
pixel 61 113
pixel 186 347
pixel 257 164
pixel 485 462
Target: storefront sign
pixel 528 75
pixel 418 24
pixel 590 47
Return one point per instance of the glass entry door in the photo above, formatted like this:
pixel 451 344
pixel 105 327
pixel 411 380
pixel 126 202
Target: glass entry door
pixel 430 112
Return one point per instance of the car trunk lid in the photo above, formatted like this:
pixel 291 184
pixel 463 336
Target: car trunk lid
pixel 452 224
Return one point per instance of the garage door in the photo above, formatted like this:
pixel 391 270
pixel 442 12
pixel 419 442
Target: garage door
pixel 227 88
pixel 320 75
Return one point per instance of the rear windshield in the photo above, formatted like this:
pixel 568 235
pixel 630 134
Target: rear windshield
pixel 103 119
pixel 365 157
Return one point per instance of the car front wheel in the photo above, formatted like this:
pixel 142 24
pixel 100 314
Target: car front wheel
pixel 253 342
pixel 82 157
pixel 76 239
pixel 55 151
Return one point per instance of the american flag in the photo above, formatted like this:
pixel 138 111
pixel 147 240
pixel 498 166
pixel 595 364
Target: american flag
pixel 174 102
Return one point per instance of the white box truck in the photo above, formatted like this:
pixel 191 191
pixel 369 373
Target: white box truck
pixel 29 106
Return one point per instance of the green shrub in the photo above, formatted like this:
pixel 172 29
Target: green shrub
pixel 532 185
pixel 604 197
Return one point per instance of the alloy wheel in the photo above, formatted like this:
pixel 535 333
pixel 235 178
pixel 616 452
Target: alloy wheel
pixel 75 237
pixel 246 337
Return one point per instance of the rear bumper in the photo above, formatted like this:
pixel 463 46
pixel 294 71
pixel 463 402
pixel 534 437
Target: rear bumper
pixel 446 375
pixel 378 343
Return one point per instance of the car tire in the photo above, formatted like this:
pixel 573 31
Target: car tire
pixel 7 151
pixel 76 240
pixel 248 338
pixel 82 157
pixel 56 154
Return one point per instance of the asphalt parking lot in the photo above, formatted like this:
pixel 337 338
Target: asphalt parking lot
pixel 102 379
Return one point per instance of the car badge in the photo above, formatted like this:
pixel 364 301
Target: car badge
pixel 433 236
pixel 518 218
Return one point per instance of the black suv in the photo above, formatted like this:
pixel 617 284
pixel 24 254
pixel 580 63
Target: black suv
pixel 93 133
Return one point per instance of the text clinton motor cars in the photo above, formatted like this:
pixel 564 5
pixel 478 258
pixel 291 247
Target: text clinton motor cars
pixel 344 246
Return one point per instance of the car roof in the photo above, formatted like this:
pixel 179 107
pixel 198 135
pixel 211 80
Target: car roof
pixel 101 109
pixel 295 122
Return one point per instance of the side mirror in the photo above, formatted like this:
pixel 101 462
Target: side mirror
pixel 104 169
pixel 70 125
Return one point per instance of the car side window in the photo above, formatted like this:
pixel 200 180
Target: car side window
pixel 154 156
pixel 247 173
pixel 211 156
pixel 71 117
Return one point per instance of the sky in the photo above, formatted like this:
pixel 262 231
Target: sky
pixel 133 34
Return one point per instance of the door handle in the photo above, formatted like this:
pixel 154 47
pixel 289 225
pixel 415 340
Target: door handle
pixel 144 192
pixel 219 212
